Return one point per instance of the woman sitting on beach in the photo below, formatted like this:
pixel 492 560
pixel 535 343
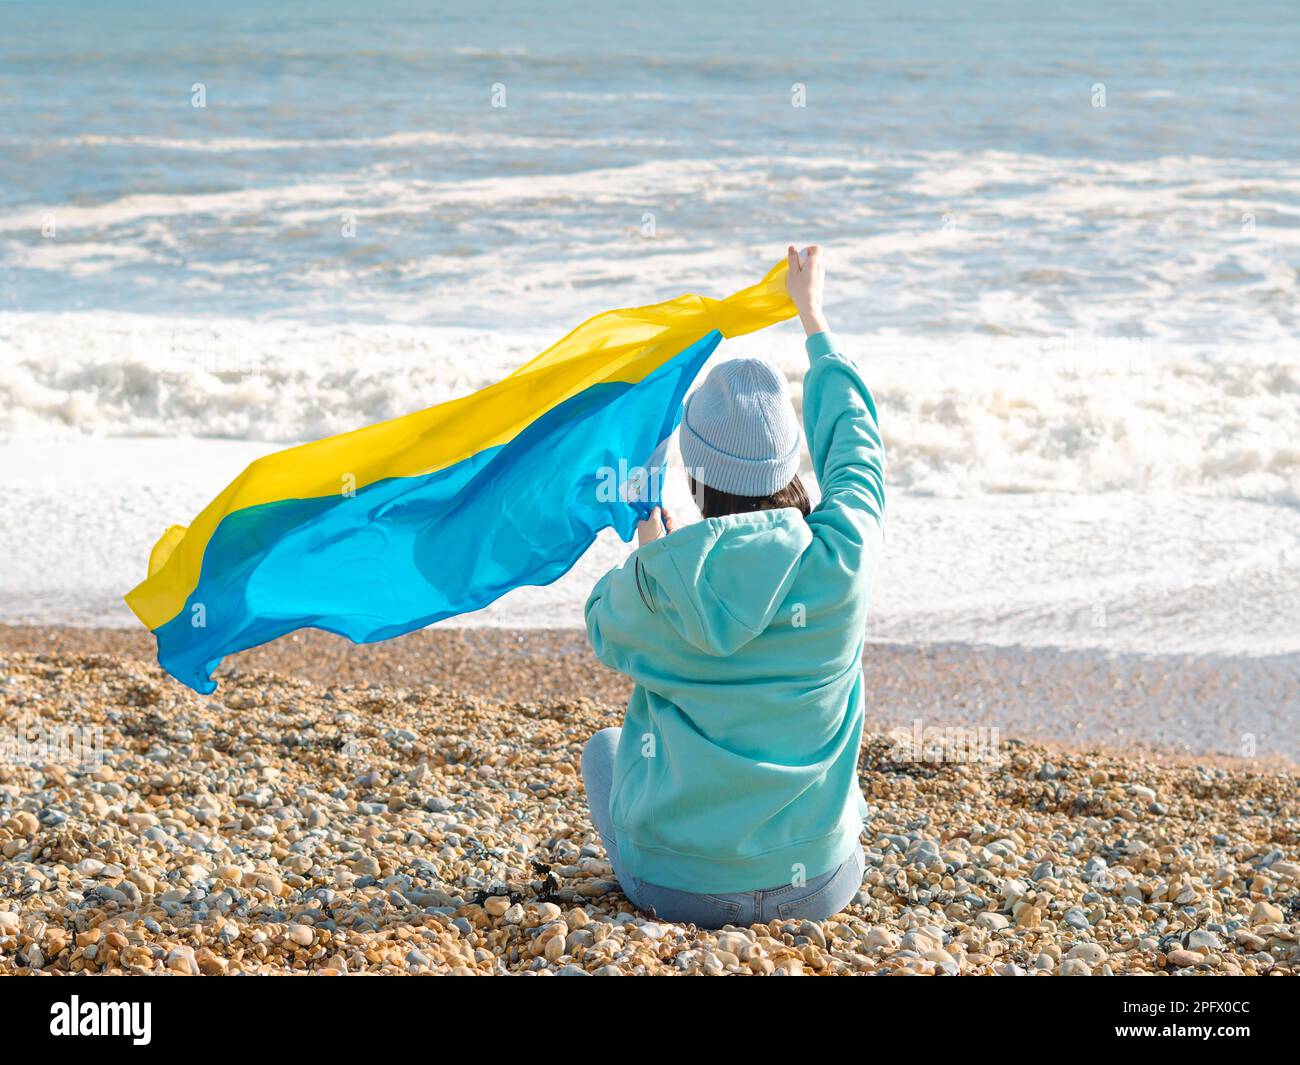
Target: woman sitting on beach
pixel 730 795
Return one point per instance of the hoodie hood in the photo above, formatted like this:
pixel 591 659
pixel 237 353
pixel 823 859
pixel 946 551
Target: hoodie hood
pixel 720 582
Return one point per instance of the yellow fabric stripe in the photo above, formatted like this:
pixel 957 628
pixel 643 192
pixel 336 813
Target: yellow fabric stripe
pixel 622 345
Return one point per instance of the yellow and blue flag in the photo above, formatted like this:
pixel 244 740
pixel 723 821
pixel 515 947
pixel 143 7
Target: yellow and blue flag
pixel 386 529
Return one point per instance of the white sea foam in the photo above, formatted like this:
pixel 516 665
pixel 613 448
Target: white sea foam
pixel 962 417
pixel 1182 248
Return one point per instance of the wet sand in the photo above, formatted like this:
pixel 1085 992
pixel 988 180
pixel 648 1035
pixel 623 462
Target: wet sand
pixel 1225 709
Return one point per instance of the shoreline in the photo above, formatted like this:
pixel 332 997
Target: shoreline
pixel 1178 708
pixel 1005 561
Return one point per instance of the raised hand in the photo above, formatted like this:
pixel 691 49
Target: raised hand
pixel 806 281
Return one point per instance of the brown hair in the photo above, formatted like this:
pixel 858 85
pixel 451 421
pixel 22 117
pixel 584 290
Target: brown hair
pixel 714 503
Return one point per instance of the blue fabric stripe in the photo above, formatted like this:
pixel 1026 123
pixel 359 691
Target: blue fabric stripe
pixel 408 551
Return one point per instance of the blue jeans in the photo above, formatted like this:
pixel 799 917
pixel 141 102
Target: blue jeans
pixel 815 900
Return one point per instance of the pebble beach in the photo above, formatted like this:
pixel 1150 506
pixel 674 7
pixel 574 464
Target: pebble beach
pixel 344 820
pixel 1065 254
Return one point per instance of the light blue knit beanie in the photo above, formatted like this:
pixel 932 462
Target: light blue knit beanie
pixel 739 433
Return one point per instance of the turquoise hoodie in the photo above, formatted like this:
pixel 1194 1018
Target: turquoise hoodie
pixel 737 767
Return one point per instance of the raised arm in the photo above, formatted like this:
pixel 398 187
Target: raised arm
pixel 841 425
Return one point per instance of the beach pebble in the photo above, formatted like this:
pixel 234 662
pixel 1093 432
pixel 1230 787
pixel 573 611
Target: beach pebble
pixel 924 852
pixel 301 934
pixel 812 931
pixel 1201 940
pixel 920 941
pixel 1183 958
pixel 1266 913
pixel 1087 952
pixel 732 943
pixel 366 866
pixel 879 938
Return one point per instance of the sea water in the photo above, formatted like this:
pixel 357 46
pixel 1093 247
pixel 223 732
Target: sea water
pixel 1064 243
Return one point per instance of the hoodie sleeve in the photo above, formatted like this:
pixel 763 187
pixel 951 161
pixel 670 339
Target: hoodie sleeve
pixel 595 611
pixel 617 612
pixel 847 453
pixel 622 615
